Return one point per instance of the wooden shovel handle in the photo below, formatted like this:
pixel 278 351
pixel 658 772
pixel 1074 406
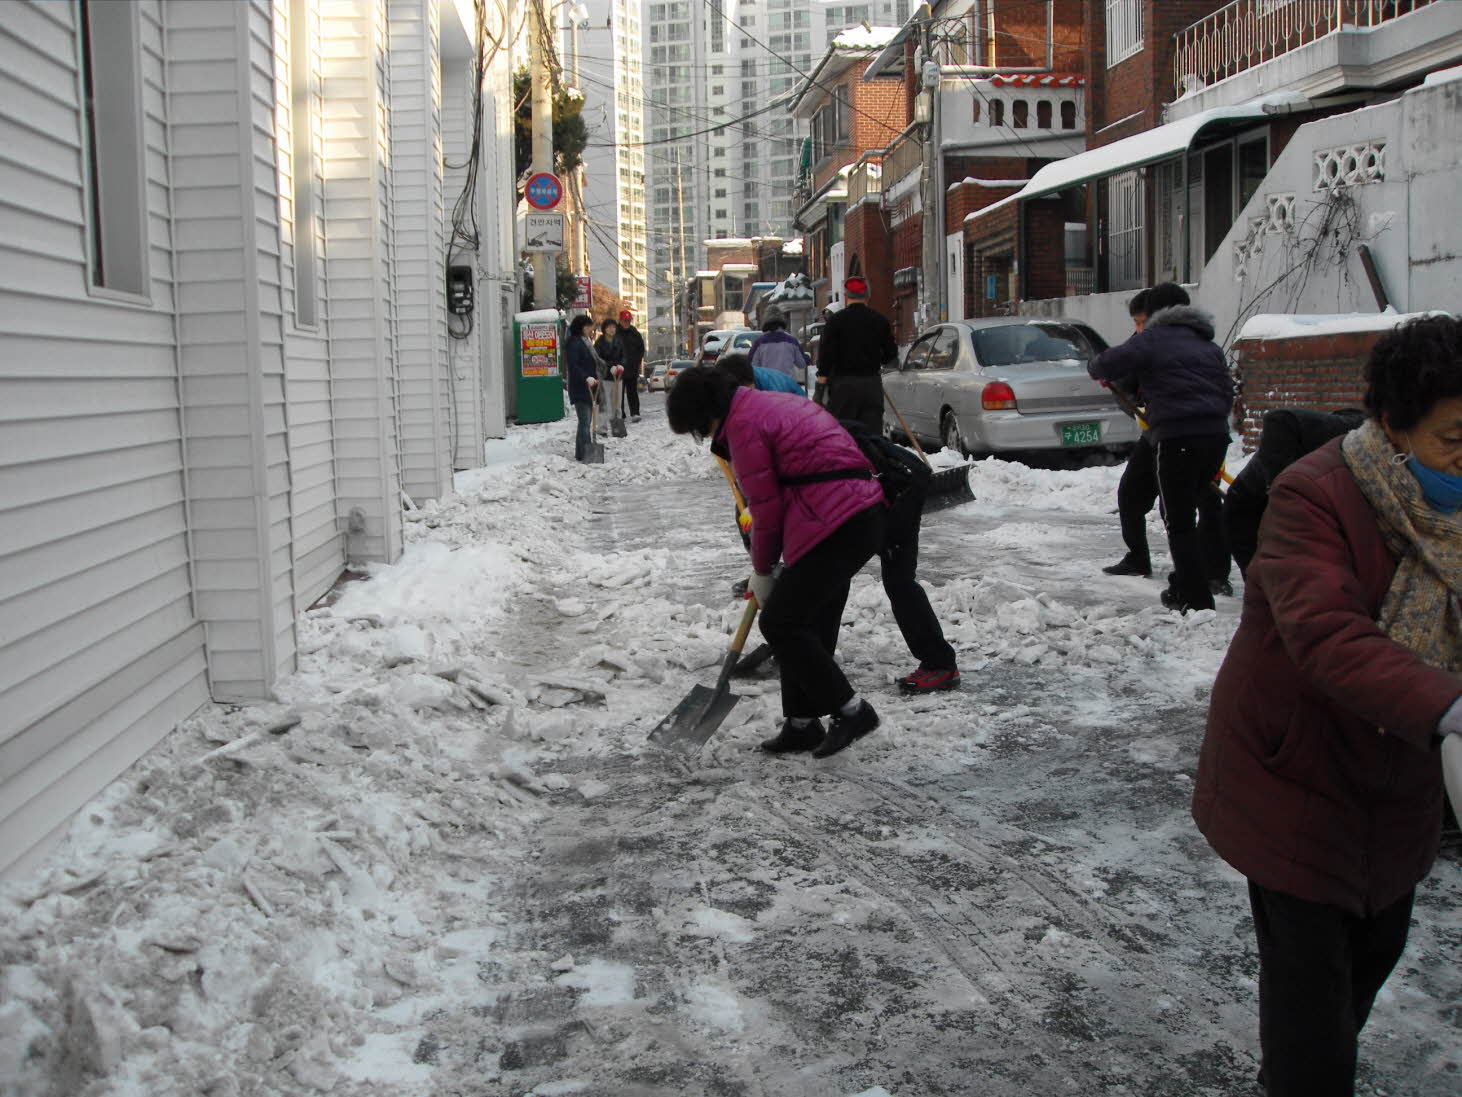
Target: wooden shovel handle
pixel 744 629
pixel 907 432
pixel 731 480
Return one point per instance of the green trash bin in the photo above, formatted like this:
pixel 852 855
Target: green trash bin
pixel 537 359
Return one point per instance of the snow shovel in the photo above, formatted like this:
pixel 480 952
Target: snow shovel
pixel 594 451
pixel 750 663
pixel 616 417
pixel 703 710
pixel 948 487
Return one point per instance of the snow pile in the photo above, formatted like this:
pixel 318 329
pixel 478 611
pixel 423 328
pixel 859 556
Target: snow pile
pixel 1084 491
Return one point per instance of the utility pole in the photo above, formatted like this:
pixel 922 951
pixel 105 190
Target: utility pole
pixel 545 272
pixel 679 248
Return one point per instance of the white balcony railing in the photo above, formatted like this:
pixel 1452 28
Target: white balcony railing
pixel 1246 33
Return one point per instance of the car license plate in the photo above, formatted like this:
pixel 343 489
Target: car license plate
pixel 1081 434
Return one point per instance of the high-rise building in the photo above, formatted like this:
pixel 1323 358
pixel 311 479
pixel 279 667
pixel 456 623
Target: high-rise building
pixel 722 154
pixel 605 59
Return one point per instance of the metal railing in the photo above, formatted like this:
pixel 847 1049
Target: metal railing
pixel 865 178
pixel 903 155
pixel 1246 33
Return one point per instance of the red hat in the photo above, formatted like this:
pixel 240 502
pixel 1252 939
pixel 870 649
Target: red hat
pixel 856 287
pixel 626 316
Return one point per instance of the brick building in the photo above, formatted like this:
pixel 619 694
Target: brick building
pixel 849 117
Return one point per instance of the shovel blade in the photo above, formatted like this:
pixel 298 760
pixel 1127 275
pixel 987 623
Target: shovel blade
pixel 694 720
pixel 618 429
pixel 594 454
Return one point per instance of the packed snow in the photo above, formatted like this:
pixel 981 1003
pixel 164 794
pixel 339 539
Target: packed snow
pixel 443 859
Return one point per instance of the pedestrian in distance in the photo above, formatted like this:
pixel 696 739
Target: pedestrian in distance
pixel 816 507
pixel 1182 375
pixel 1285 435
pixel 776 350
pixel 1137 491
pixel 583 378
pixel 1319 778
pixel 633 344
pixel 898 556
pixel 856 345
pixel 816 382
pixel 610 350
pixel 739 366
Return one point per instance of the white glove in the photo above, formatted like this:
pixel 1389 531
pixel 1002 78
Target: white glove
pixel 618 372
pixel 760 588
pixel 592 382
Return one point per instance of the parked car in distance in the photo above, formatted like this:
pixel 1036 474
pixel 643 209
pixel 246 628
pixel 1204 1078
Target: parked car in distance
pixel 679 365
pixel 1007 384
pixel 652 378
pixel 717 343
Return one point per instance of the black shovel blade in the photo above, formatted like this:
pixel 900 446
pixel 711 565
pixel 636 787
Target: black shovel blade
pixel 694 720
pixel 949 488
pixel 594 453
pixel 617 428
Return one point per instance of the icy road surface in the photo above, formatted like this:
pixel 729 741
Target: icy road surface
pixel 445 862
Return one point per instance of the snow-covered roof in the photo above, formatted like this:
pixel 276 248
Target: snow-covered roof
pixel 1280 326
pixel 795 287
pixel 971 181
pixel 1158 143
pixel 865 38
pixel 793 246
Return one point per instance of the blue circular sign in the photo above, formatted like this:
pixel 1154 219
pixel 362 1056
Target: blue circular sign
pixel 543 191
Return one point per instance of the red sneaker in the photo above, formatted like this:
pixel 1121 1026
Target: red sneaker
pixel 929 681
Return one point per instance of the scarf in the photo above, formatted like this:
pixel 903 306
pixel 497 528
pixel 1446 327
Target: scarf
pixel 1421 611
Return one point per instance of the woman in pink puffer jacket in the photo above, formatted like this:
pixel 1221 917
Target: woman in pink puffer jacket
pixel 814 505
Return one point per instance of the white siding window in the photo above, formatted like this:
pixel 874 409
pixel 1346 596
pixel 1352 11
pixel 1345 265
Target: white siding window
pixel 1124 230
pixel 1124 30
pixel 116 186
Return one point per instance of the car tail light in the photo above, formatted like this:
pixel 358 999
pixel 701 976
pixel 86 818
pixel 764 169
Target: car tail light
pixel 998 396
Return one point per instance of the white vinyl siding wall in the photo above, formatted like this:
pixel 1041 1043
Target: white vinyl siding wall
pixel 100 652
pixel 417 251
pixel 357 270
pixel 319 544
pixel 230 348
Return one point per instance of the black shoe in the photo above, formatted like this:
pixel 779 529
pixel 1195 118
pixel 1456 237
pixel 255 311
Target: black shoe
pixel 1171 599
pixel 792 738
pixel 1221 586
pixel 1129 566
pixel 845 729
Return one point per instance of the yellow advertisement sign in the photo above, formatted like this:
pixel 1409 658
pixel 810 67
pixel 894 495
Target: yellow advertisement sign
pixel 540 350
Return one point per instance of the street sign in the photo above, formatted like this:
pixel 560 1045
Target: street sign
pixel 543 232
pixel 584 297
pixel 544 191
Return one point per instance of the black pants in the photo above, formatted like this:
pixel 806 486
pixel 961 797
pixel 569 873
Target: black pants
pixel 1319 972
pixel 859 398
pixel 631 390
pixel 802 617
pixel 910 604
pixel 1137 492
pixel 1185 471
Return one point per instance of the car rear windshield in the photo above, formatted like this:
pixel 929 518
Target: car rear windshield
pixel 1016 343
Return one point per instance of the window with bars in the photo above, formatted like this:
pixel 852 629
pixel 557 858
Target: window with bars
pixel 1125 200
pixel 1124 30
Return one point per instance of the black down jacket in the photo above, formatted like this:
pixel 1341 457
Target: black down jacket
pixel 1180 370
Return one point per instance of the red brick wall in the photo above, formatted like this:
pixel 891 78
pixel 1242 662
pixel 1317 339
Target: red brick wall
pixel 964 199
pixel 878 113
pixel 866 239
pixel 1020 34
pixel 1045 249
pixel 1142 83
pixel 908 243
pixel 1321 372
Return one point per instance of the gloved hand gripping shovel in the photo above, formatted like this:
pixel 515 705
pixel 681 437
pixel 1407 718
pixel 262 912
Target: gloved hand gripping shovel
pixel 763 652
pixel 703 710
pixel 949 487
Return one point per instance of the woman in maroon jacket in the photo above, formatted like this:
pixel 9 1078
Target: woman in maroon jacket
pixel 1319 777
pixel 815 505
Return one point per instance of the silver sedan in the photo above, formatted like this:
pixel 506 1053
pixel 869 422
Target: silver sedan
pixel 1007 384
